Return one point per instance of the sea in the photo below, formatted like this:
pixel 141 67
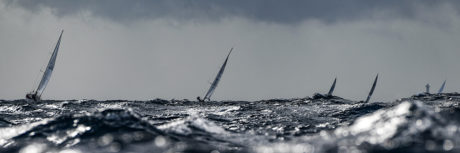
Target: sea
pixel 318 124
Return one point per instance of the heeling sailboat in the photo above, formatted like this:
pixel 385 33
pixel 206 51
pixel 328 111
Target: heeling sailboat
pixel 35 95
pixel 331 90
pixel 328 95
pixel 441 89
pixel 216 80
pixel 372 89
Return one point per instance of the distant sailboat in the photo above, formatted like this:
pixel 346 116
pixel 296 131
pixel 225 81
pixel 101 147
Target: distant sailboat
pixel 35 95
pixel 442 87
pixel 328 95
pixel 372 89
pixel 216 80
pixel 332 88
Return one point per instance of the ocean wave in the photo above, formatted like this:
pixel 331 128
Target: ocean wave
pixel 114 130
pixel 422 123
pixel 102 128
pixel 407 127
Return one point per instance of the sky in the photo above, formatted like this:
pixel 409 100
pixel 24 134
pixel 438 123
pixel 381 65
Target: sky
pixel 172 49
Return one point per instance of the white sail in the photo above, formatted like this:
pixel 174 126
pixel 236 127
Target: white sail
pixel 442 87
pixel 49 69
pixel 217 79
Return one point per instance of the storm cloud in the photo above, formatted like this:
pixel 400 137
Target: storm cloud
pixel 286 11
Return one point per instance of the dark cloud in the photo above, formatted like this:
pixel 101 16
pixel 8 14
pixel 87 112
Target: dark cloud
pixel 278 11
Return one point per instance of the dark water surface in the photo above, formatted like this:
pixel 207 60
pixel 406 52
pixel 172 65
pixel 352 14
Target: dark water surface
pixel 421 123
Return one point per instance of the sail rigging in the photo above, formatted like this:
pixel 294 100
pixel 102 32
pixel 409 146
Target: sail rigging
pixel 442 87
pixel 373 88
pixel 49 70
pixel 332 88
pixel 217 79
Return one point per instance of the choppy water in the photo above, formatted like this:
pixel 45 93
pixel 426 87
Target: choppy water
pixel 422 123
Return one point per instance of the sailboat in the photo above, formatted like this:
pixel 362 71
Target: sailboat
pixel 329 94
pixel 35 95
pixel 441 89
pixel 216 80
pixel 372 89
pixel 332 88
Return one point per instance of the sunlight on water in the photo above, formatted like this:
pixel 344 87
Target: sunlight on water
pixel 286 148
pixel 183 126
pixel 9 132
pixel 33 148
pixel 10 109
pixel 382 124
pixel 69 151
pixel 448 145
pixel 58 139
pixel 160 141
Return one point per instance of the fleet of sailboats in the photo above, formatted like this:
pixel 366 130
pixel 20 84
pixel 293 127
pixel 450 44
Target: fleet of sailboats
pixel 37 93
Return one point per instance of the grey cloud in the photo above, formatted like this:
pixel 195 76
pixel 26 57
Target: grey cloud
pixel 277 11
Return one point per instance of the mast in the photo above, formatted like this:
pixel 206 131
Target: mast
pixel 49 69
pixel 331 90
pixel 372 89
pixel 217 79
pixel 442 87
